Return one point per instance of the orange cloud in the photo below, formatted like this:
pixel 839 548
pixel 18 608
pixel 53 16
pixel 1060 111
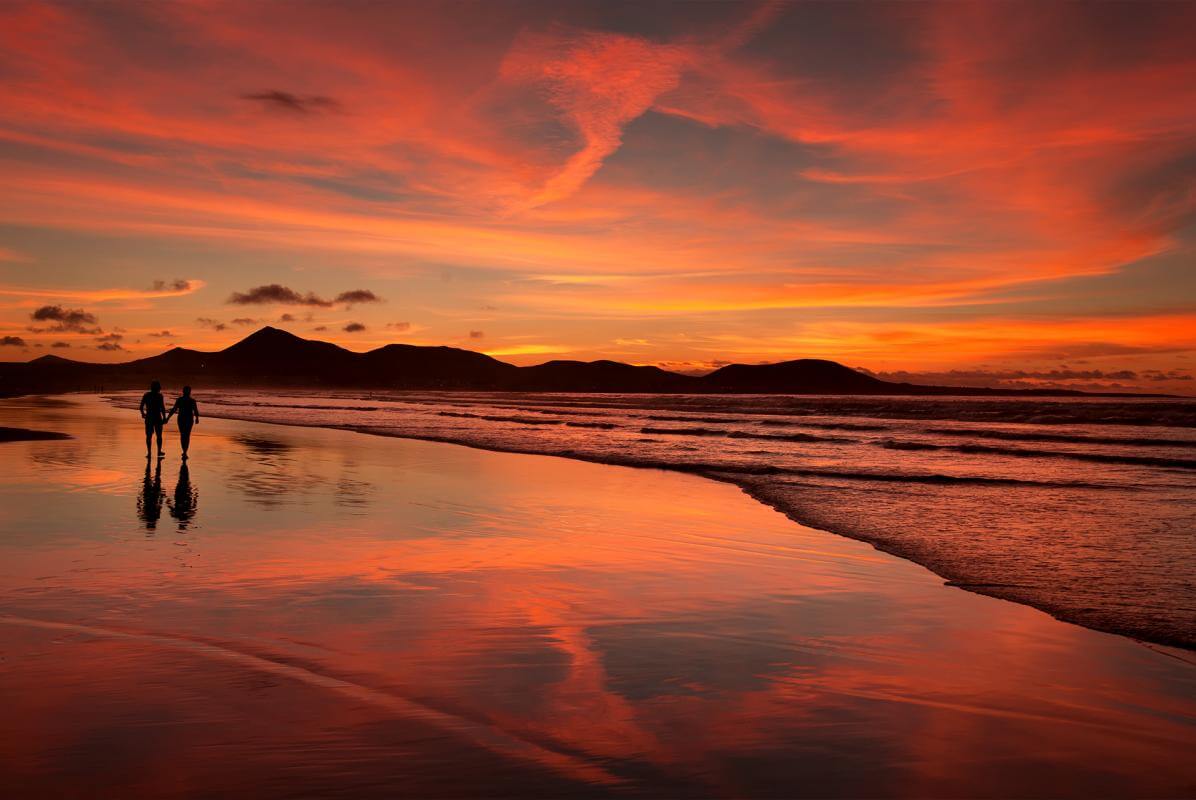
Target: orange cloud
pixel 664 167
pixel 180 288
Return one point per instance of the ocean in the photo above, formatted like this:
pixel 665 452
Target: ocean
pixel 1082 507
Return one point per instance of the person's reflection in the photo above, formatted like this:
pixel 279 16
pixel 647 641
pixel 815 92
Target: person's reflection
pixel 186 499
pixel 149 503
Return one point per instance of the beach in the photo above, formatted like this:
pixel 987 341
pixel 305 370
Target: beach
pixel 303 611
pixel 1081 507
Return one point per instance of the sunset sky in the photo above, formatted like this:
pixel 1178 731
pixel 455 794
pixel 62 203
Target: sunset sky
pixel 988 193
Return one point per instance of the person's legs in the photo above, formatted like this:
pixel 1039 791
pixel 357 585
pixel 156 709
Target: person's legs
pixel 149 435
pixel 158 431
pixel 184 437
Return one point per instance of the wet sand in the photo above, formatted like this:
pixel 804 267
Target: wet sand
pixel 26 435
pixel 308 612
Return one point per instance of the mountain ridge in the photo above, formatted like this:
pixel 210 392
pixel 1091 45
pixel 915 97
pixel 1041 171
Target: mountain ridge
pixel 271 357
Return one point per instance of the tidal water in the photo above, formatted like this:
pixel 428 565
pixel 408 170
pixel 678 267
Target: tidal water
pixel 1085 508
pixel 304 612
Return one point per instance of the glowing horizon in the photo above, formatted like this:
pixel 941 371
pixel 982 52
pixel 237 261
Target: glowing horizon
pixel 948 192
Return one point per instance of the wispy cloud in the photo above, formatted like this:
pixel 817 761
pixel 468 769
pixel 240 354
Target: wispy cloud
pixel 277 100
pixel 208 322
pixel 176 286
pixel 159 289
pixel 714 174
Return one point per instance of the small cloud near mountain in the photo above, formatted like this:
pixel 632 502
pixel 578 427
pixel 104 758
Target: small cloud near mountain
pixel 12 341
pixel 277 294
pixel 399 326
pixel 354 327
pixel 476 334
pixel 208 322
pixel 66 319
pixel 109 341
pixel 356 296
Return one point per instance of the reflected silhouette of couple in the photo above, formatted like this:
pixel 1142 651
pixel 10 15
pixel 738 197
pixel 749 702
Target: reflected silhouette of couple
pixel 153 411
pixel 182 505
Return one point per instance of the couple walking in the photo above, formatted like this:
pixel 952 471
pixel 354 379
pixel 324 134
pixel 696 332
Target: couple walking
pixel 153 411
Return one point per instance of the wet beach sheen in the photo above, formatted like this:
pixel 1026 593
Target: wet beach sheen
pixel 312 612
pixel 1083 507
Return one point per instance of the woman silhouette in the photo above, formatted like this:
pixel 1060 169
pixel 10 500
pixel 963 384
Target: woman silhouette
pixel 153 411
pixel 188 411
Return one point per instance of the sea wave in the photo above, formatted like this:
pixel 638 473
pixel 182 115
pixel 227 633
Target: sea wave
pixel 1023 452
pixel 1097 530
pixel 1063 438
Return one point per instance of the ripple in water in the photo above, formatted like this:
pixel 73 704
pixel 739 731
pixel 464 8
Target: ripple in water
pixel 1091 520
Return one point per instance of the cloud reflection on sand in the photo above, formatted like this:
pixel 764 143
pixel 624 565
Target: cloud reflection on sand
pixel 658 628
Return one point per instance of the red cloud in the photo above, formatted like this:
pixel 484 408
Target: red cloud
pixel 687 170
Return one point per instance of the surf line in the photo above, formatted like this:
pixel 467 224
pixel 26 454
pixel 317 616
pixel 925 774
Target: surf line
pixel 489 737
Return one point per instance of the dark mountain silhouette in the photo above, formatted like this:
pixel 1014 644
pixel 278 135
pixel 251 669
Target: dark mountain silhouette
pixel 803 376
pixel 441 367
pixel 600 376
pixel 275 358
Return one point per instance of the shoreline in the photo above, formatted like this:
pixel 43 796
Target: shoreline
pixel 761 494
pixel 588 624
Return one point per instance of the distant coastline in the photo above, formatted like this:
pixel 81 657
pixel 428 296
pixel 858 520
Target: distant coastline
pixel 273 358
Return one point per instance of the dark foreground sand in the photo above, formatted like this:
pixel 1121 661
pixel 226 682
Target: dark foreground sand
pixel 26 435
pixel 304 612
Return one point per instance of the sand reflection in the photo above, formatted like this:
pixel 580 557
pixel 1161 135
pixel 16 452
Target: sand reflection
pixel 526 625
pixel 149 501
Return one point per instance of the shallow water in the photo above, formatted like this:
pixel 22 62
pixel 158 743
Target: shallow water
pixel 309 612
pixel 1085 508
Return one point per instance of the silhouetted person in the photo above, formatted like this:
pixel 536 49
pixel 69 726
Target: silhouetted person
pixel 188 411
pixel 153 411
pixel 186 499
pixel 149 504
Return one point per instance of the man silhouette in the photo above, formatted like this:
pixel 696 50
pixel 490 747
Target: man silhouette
pixel 188 411
pixel 153 411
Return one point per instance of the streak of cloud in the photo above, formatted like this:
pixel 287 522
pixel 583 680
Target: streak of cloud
pixel 963 175
pixel 276 294
pixel 176 288
pixel 278 100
